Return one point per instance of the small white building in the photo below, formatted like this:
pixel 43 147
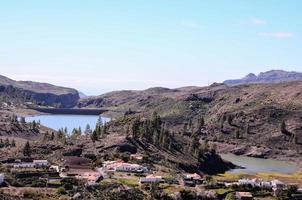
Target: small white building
pixel 41 163
pixel 150 179
pixel 124 167
pixel 55 168
pixel 276 184
pixel 23 165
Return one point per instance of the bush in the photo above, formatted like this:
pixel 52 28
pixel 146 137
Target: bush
pixel 61 190
pixel 30 194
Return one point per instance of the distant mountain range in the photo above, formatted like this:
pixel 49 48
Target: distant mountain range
pixel 273 76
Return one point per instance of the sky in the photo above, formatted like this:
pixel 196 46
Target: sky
pixel 106 45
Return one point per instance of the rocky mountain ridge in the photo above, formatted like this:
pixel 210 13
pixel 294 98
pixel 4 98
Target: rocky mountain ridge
pixel 273 76
pixel 21 92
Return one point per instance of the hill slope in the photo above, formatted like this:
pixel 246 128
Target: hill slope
pixel 40 93
pixel 273 76
pixel 239 116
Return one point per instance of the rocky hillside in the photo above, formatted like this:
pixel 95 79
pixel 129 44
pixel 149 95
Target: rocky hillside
pixel 273 76
pixel 247 118
pixel 20 92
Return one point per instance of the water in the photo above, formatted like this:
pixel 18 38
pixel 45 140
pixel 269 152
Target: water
pixel 257 165
pixel 70 121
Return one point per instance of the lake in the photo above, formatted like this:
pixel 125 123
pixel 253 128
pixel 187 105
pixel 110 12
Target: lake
pixel 70 121
pixel 256 165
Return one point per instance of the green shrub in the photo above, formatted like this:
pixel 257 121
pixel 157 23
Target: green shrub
pixel 61 190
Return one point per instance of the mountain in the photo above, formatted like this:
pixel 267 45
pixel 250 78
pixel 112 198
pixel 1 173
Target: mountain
pixel 243 119
pixel 273 76
pixel 38 93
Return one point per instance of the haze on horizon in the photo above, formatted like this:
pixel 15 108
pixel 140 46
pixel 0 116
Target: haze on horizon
pixel 100 46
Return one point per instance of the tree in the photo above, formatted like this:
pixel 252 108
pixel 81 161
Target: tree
pixel 6 142
pixel 27 149
pixel 295 139
pixel 88 130
pixel 13 143
pixel 230 196
pixel 237 133
pixel 94 136
pixel 34 125
pixel 52 137
pixel 247 129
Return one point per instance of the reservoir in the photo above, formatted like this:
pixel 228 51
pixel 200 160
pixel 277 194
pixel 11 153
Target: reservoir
pixel 69 121
pixel 257 165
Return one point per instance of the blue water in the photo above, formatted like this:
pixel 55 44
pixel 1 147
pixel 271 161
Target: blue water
pixel 69 121
pixel 257 165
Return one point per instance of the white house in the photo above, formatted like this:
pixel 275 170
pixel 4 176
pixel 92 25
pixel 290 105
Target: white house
pixel 41 163
pixel 55 168
pixel 276 184
pixel 24 165
pixel 124 167
pixel 151 179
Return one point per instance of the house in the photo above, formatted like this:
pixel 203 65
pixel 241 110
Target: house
pixel 136 157
pixel 276 184
pixel 192 180
pixel 244 196
pixel 55 168
pixel 23 165
pixel 1 179
pixel 150 179
pixel 90 177
pixel 252 182
pixel 124 167
pixel 41 163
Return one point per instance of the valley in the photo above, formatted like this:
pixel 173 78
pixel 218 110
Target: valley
pixel 145 143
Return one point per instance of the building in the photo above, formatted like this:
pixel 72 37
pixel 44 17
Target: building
pixel 55 168
pixel 41 163
pixel 23 165
pixel 276 184
pixel 1 179
pixel 150 179
pixel 91 177
pixel 124 167
pixel 244 196
pixel 136 157
pixel 192 180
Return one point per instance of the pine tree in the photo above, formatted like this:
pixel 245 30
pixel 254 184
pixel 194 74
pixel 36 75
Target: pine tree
pixel 6 143
pixel 87 130
pixel 13 143
pixel 27 149
pixel 52 137
pixel 34 125
pixel 247 129
pixel 94 136
pixel 237 134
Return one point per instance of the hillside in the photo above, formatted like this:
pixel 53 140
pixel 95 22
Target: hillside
pixel 273 76
pixel 243 119
pixel 20 92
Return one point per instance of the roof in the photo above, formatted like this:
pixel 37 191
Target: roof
pixel 244 194
pixel 40 161
pixel 193 176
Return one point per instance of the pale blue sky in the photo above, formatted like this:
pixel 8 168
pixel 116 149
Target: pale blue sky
pixel 99 46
